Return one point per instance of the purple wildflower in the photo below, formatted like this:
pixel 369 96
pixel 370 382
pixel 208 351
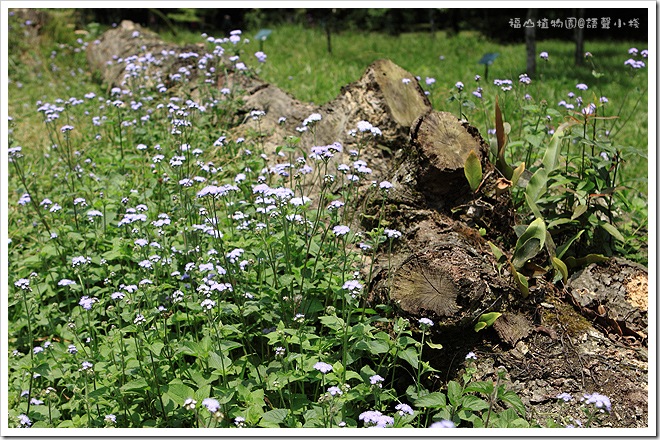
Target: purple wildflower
pixel 340 230
pixel 323 367
pixel 443 424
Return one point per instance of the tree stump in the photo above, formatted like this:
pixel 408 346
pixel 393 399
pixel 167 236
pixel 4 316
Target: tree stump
pixel 442 144
pixel 442 268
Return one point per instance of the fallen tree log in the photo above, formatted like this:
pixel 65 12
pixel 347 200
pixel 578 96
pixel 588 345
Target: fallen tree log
pixel 441 270
pixel 380 97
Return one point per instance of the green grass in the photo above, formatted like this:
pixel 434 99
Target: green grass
pixel 298 61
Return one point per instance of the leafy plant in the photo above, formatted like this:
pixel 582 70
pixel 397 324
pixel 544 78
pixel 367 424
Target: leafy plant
pixel 478 404
pixel 473 171
pixel 486 320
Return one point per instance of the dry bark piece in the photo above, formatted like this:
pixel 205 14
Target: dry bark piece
pixel 611 295
pixel 512 327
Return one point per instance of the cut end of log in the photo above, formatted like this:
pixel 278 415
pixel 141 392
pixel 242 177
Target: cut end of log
pixel 441 144
pixel 406 100
pixel 419 288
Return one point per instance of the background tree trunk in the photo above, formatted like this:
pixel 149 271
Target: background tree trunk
pixel 530 42
pixel 578 35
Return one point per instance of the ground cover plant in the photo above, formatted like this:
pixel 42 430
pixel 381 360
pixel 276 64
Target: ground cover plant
pixel 165 273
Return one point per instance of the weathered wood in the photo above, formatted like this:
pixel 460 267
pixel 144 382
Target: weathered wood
pixel 443 270
pixel 379 97
pixel 511 327
pixel 442 143
pixel 614 296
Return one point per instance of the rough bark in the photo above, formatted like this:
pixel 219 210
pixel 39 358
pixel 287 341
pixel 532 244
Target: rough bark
pixel 614 296
pixel 379 97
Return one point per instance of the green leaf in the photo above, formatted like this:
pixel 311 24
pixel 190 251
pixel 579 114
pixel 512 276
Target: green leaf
pixel 535 229
pixel 454 392
pixel 517 173
pixel 500 133
pixel 512 399
pixel 273 418
pixel 366 372
pixel 561 250
pixel 561 268
pixel 550 158
pixel 100 392
pixel 473 170
pixel 537 185
pixel 219 362
pixel 156 347
pixel 613 231
pixel 375 346
pixel 506 418
pixel 550 244
pixel 254 412
pixel 432 400
pixel 203 392
pixel 489 318
pixel 333 322
pixel 479 326
pixel 473 403
pixel 559 222
pixel 227 345
pixel 469 417
pixel 533 206
pixel 482 387
pixel 519 423
pixel 434 346
pixel 578 211
pixel 526 251
pixel 225 397
pixel 573 262
pixel 530 243
pixel 520 281
pixel 178 391
pixel 135 385
pixel 352 375
pixel 497 253
pixel 410 355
